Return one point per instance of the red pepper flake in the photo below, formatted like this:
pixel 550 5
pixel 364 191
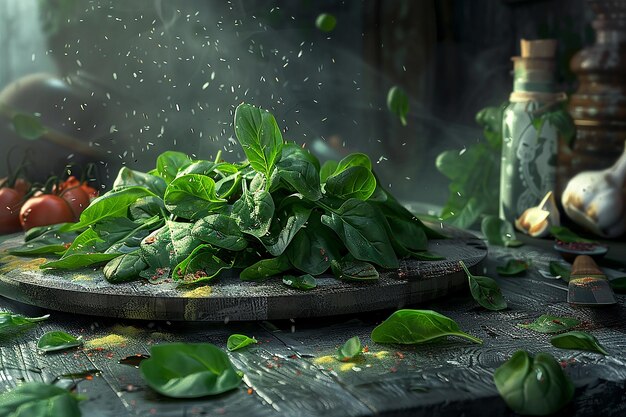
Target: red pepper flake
pixel 150 240
pixel 250 391
pixel 563 364
pixel 393 370
pixel 269 365
pixel 298 372
pixel 89 377
pixel 400 355
pixel 366 349
pixel 293 357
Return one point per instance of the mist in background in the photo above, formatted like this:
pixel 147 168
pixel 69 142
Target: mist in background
pixel 165 75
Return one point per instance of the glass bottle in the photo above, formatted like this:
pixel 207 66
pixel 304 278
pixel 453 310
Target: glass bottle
pixel 530 131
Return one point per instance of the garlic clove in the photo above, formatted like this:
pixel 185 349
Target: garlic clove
pixel 537 221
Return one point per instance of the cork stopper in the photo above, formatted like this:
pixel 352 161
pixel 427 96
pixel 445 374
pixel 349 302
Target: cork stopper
pixel 585 265
pixel 542 48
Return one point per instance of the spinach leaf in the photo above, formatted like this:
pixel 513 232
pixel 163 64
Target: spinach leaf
pixel 200 266
pixel 115 203
pixel 36 399
pixel 169 163
pixel 313 247
pixel 417 326
pixel 353 270
pixel 398 103
pixel 363 231
pixel 128 177
pixel 579 341
pixel 183 242
pixel 426 256
pixel 350 350
pixel 283 229
pixel 122 230
pixel 201 167
pixel 408 233
pixel 124 268
pixel 295 151
pixel 551 324
pixel 155 250
pixel 239 341
pixel 192 196
pixel 55 341
pixel 84 251
pixel 303 282
pixel 485 291
pixel 220 230
pixel 260 138
pixel 328 169
pixel 11 323
pixel 302 176
pixel 499 232
pixel 354 182
pixel 265 268
pixel 49 242
pixel 559 270
pixel 513 267
pixel 38 231
pixel 533 386
pixel 147 207
pixel 253 212
pixel 228 186
pixel 565 235
pixel 189 370
pixel 355 159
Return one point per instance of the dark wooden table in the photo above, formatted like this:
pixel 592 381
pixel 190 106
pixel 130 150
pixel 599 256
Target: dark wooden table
pixel 291 372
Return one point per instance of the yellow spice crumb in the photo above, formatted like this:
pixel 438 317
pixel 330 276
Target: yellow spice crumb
pixel 199 292
pixel 112 340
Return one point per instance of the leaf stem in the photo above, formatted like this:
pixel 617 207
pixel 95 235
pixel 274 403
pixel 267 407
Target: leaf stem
pixel 469 274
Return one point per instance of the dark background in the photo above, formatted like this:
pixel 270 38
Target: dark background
pixel 168 74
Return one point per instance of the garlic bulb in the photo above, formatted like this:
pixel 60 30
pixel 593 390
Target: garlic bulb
pixel 537 221
pixel 595 199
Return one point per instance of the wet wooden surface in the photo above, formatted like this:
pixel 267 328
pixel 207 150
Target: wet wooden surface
pixel 290 374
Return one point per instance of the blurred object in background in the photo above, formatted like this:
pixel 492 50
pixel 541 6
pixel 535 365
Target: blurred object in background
pixel 57 120
pixel 599 105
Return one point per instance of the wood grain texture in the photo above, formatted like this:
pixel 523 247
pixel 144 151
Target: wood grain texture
pixel 87 291
pixel 292 372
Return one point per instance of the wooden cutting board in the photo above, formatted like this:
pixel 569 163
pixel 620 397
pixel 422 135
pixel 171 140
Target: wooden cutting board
pixel 227 298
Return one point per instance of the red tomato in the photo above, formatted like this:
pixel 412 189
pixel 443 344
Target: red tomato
pixel 77 198
pixel 21 186
pixel 91 192
pixel 10 203
pixel 45 210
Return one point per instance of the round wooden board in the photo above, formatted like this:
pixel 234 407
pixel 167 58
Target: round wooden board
pixel 229 299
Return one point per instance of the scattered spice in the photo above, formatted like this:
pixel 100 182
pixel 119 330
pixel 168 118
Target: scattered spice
pixel 112 340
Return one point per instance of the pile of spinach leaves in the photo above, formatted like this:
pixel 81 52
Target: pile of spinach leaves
pixel 278 211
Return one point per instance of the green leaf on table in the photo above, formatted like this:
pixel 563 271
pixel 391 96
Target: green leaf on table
pixel 28 126
pixel 303 282
pixel 259 136
pixel 533 386
pixel 11 323
pixel 38 231
pixel 398 103
pixel 551 324
pixel 124 268
pixel 513 267
pixel 485 290
pixel 239 341
pixel 417 326
pixel 499 232
pixel 618 285
pixel 265 268
pixel 169 163
pixel 49 242
pixel 362 229
pixel 192 196
pixel 36 399
pixel 353 270
pixel 565 235
pixel 57 340
pixel 559 270
pixel 350 350
pixel 326 22
pixel 579 341
pixel 189 370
